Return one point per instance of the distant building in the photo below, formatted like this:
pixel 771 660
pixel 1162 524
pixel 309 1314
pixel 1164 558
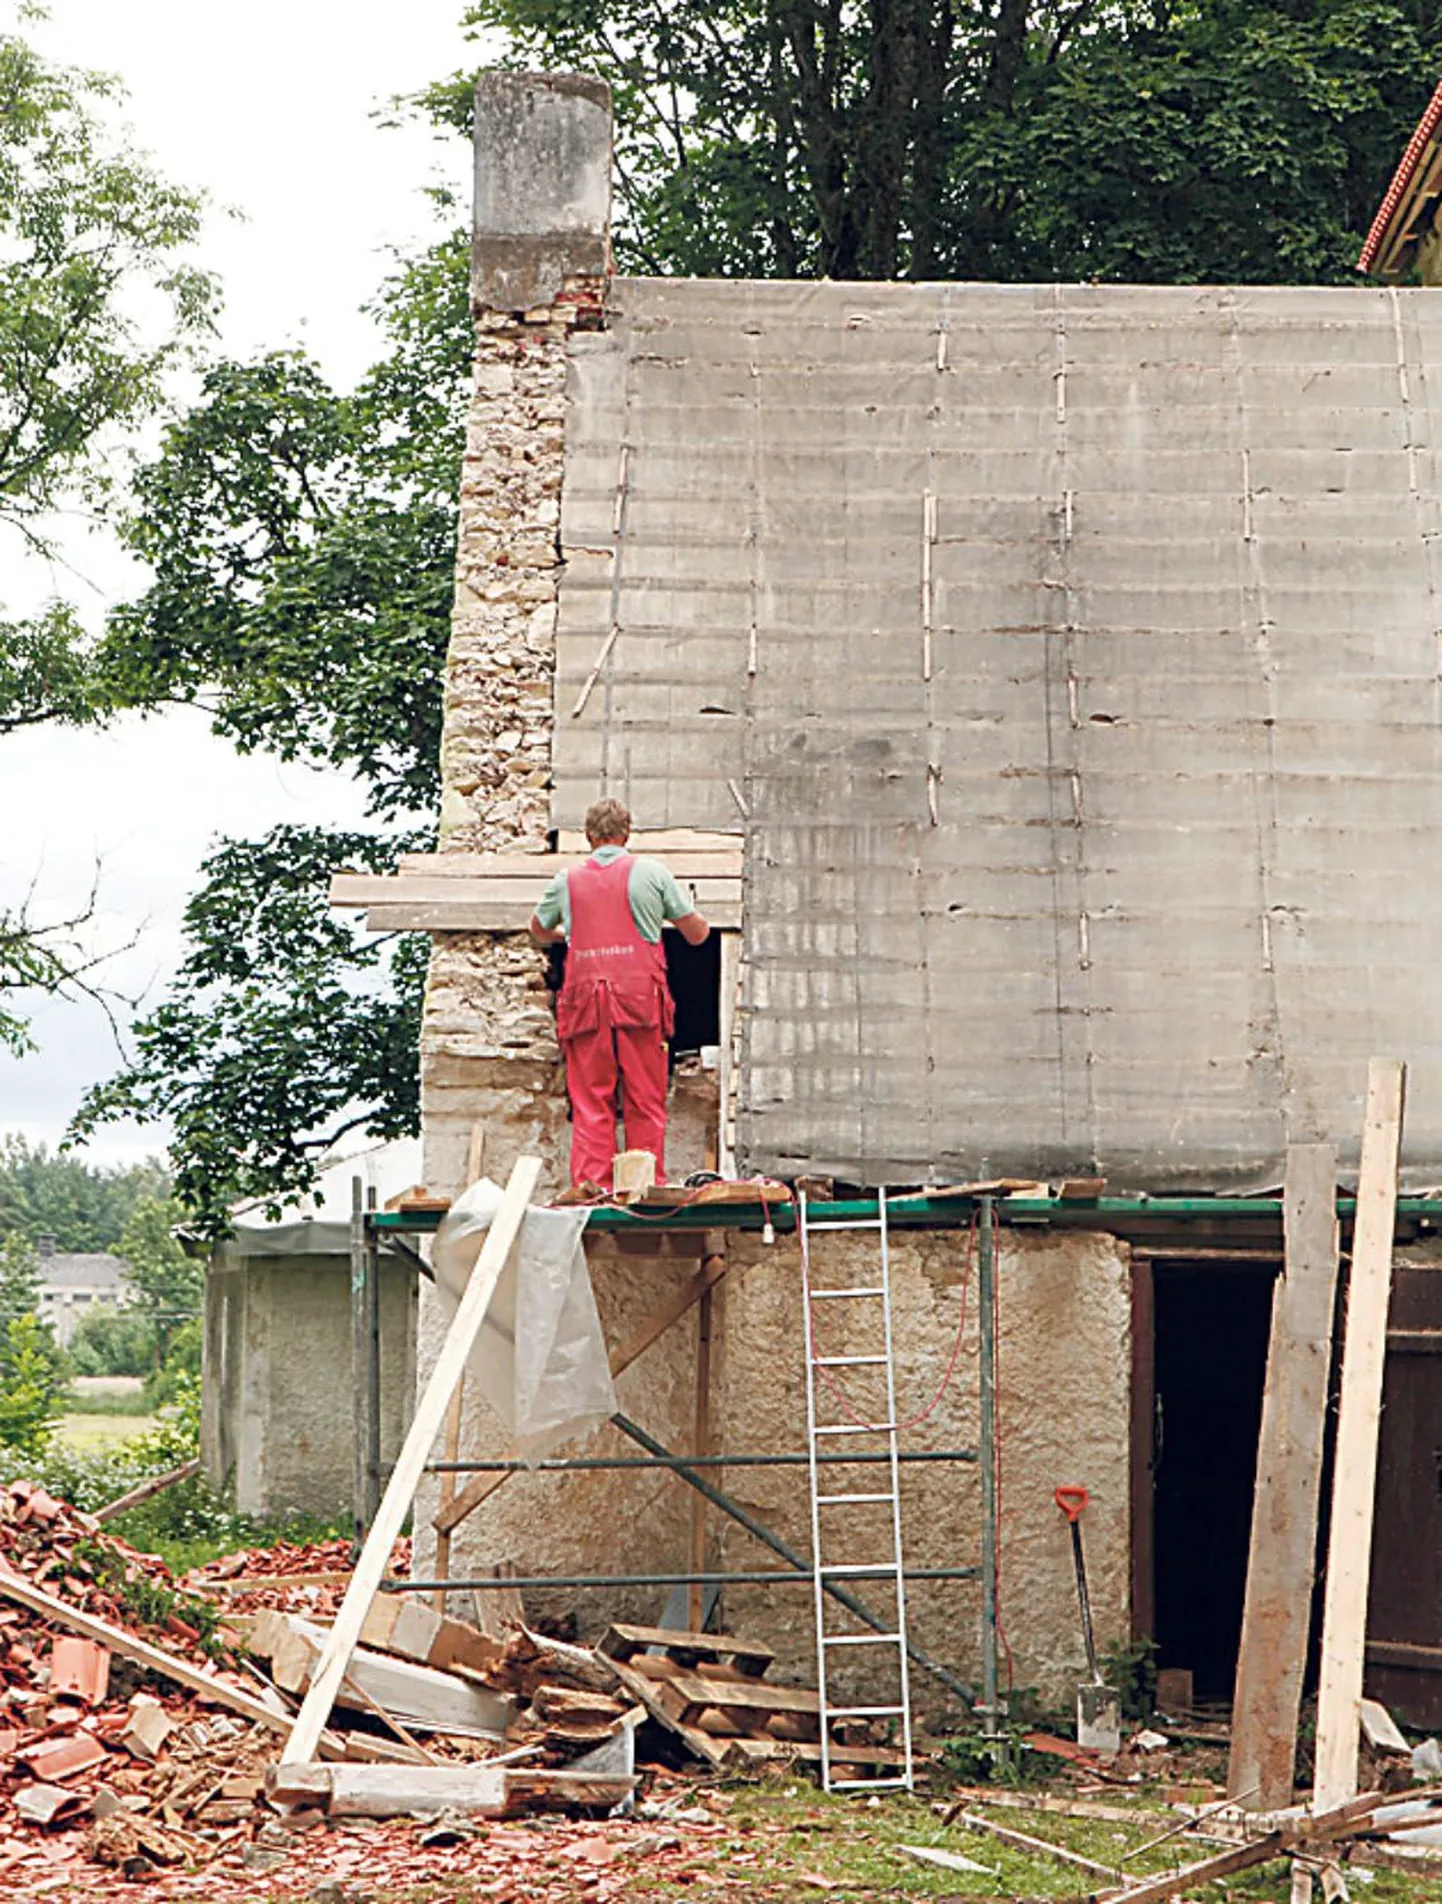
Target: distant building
pixel 1405 233
pixel 71 1284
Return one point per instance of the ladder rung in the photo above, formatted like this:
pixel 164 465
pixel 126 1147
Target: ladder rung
pixel 861 1639
pixel 864 1712
pixel 878 1568
pixel 867 1223
pixel 852 1500
pixel 831 1295
pixel 857 1428
pixel 870 1784
pixel 850 1361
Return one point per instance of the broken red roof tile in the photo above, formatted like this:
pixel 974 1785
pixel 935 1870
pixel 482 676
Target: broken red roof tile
pixel 63 1758
pixel 1401 179
pixel 49 1804
pixel 80 1668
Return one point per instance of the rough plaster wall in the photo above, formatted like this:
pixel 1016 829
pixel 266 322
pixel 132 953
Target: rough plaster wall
pixel 1064 1400
pixel 284 1439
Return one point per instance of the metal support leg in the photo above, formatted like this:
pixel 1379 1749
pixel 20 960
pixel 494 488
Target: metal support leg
pixel 373 1366
pixel 787 1553
pixel 986 1297
pixel 359 1333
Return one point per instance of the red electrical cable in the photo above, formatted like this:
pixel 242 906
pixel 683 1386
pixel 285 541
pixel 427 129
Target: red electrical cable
pixel 913 1421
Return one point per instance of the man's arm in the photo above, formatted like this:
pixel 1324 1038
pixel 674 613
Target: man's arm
pixel 548 920
pixel 692 927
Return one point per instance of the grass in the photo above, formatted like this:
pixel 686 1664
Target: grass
pixel 108 1401
pixel 94 1428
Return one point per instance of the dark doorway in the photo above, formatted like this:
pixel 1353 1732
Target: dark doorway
pixel 694 975
pixel 1212 1321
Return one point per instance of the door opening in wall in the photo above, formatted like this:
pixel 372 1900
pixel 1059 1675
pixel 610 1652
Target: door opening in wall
pixel 1209 1336
pixel 694 974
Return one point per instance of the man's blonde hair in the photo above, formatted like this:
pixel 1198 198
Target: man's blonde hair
pixel 608 823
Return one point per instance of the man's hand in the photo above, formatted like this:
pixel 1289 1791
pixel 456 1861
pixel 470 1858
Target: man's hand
pixel 556 935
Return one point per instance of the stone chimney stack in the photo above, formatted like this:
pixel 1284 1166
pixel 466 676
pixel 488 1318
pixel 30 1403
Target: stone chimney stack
pixel 543 187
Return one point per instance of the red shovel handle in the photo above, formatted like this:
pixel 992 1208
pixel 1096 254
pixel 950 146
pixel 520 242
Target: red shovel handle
pixel 1071 1501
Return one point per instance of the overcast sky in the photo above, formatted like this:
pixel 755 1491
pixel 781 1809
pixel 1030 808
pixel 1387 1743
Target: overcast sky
pixel 268 108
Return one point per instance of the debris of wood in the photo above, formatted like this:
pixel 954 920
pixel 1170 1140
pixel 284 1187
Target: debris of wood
pixel 1023 1841
pixel 146 1491
pixel 948 1860
pixel 1381 1730
pixel 393 1791
pixel 633 1173
pixel 423 1698
pixel 405 1624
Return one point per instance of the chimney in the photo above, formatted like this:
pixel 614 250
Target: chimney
pixel 543 187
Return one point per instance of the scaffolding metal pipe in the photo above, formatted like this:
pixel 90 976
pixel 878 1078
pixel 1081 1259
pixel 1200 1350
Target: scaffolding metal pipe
pixel 605 1464
pixel 779 1547
pixel 986 1298
pixel 773 1578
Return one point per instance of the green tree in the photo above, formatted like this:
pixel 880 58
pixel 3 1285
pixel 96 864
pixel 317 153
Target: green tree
pixel 169 1285
pixel 32 1384
pixel 83 1206
pixel 19 1277
pixel 112 1342
pixel 90 237
pixel 1221 140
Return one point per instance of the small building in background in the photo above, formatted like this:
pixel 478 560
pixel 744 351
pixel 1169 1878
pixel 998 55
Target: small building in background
pixel 1404 236
pixel 73 1284
pixel 277 1424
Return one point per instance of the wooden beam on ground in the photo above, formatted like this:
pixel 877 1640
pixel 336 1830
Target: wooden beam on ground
pixel 1354 1479
pixel 410 1464
pixel 166 1665
pixel 482 1486
pixel 1277 1610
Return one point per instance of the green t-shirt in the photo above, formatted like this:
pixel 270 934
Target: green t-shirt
pixel 654 894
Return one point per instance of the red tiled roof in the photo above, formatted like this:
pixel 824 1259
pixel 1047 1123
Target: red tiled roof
pixel 1401 179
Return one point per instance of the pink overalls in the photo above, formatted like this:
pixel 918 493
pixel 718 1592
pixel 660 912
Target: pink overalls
pixel 613 1018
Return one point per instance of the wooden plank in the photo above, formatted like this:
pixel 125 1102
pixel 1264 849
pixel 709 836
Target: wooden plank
pixel 451 1446
pixel 367 889
pixel 1276 1612
pixel 1364 1348
pixel 661 839
pixel 747 1656
pixel 146 1490
pixel 705 1694
pixel 713 1751
pixel 430 1410
pixel 422 1696
pixel 482 1486
pixel 152 1658
pixel 538 868
pixel 1023 1841
pixel 1176 1883
pixel 485 915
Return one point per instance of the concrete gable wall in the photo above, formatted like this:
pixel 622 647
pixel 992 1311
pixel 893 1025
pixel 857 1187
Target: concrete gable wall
pixel 1068 657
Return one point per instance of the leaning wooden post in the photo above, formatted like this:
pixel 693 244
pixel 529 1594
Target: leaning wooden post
pixel 1364 1351
pixel 1277 1609
pixel 701 1445
pixel 375 1556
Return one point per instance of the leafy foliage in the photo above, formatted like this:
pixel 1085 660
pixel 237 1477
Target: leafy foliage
pixel 112 1342
pixel 169 1285
pixel 91 238
pixel 85 1208
pixel 32 1384
pixel 282 1031
pixel 19 1276
pixel 1223 140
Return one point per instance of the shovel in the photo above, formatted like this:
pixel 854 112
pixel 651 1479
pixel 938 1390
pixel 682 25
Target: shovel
pixel 1098 1709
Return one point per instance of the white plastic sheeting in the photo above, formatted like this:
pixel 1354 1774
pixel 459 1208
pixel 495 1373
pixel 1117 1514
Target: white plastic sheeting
pixel 540 1359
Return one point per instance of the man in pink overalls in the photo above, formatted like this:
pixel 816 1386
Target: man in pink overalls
pixel 614 1013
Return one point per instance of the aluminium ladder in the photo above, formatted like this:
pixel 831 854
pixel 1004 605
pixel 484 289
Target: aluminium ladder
pixel 830 1511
